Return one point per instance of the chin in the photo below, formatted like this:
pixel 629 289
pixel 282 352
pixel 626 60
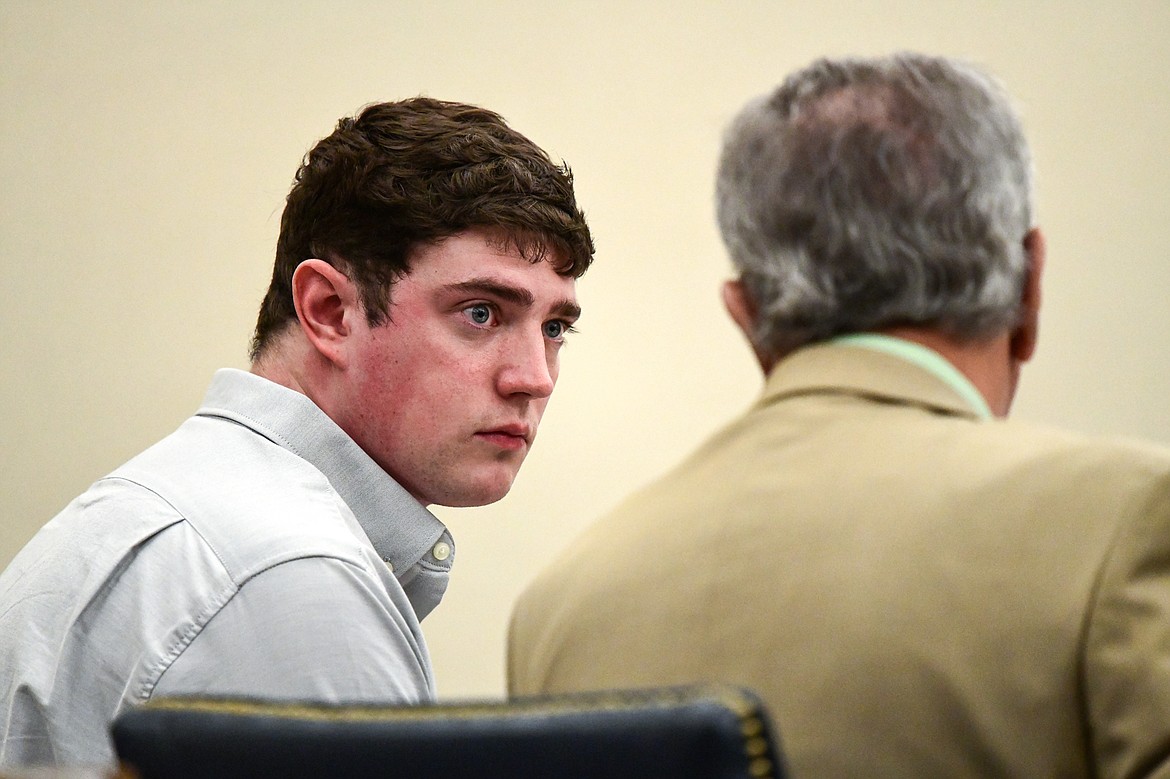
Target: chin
pixel 469 495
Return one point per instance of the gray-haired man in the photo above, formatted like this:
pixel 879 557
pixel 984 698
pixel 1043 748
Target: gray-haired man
pixel 916 587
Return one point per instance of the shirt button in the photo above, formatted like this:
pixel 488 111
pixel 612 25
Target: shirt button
pixel 389 565
pixel 441 551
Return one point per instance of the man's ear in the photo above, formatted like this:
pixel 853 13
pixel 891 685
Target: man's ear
pixel 1027 330
pixel 742 310
pixel 326 302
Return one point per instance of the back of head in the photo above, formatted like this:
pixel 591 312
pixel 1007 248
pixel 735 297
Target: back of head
pixel 405 174
pixel 868 194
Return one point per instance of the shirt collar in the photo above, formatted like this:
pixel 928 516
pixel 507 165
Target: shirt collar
pixel 837 368
pixel 401 530
pixel 927 359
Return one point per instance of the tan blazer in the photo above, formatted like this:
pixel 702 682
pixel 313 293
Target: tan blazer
pixel 913 591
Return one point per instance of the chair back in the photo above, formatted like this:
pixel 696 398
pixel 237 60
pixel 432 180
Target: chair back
pixel 670 733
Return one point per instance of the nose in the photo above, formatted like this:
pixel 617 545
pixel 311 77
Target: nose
pixel 529 368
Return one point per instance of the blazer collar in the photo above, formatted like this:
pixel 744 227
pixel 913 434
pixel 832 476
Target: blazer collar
pixel 847 369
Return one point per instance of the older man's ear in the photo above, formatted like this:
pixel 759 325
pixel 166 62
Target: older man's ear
pixel 1027 330
pixel 742 310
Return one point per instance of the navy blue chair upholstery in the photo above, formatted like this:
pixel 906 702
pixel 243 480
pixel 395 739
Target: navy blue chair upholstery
pixel 671 733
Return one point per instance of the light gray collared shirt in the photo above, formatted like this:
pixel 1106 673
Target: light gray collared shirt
pixel 256 551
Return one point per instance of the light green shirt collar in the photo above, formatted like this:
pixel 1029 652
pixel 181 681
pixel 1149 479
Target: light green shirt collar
pixel 927 359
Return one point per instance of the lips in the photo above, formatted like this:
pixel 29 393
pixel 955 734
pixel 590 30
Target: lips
pixel 511 436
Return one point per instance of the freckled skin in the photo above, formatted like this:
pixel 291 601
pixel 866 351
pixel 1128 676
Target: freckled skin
pixel 446 396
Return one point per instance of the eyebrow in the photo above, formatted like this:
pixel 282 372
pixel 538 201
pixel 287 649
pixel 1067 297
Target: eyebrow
pixel 516 295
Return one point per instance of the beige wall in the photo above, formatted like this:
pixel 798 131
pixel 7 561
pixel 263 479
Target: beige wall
pixel 145 149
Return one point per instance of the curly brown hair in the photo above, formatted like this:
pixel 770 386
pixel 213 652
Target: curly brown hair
pixel 412 172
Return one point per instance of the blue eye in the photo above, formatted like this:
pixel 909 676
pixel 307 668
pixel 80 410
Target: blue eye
pixel 555 329
pixel 480 313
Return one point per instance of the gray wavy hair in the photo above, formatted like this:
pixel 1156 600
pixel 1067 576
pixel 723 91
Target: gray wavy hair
pixel 865 194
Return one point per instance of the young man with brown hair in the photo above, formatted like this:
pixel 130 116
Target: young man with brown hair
pixel 278 545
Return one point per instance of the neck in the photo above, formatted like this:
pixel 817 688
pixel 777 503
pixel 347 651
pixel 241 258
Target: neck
pixel 282 362
pixel 988 364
